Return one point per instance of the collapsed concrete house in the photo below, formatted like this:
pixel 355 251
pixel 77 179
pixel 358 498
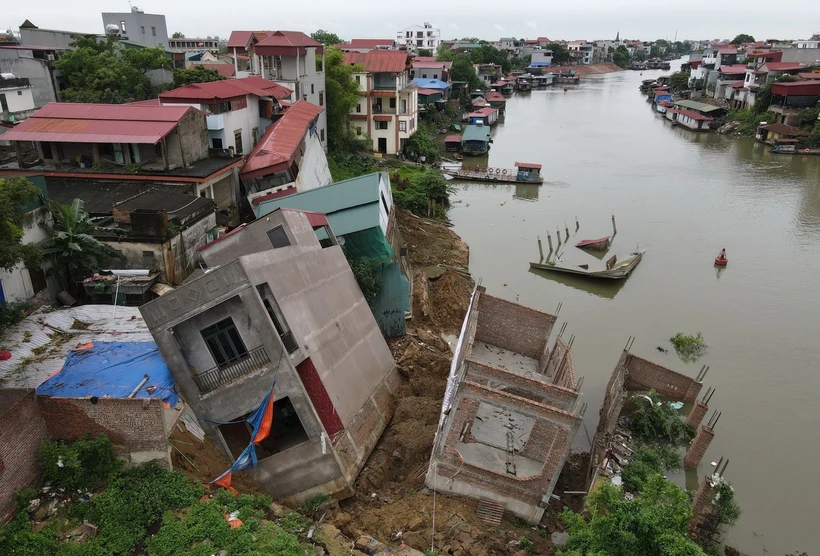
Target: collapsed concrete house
pixel 610 450
pixel 511 409
pixel 280 306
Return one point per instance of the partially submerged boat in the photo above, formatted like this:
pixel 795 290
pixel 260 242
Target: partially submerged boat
pixel 600 244
pixel 721 259
pixel 615 269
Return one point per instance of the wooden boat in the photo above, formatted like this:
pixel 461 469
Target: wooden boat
pixel 458 156
pixel 507 88
pixel 615 270
pixel 600 244
pixel 524 172
pixel 721 259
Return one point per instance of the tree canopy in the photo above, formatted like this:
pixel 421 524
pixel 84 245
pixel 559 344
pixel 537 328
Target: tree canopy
pixel 560 54
pixel 743 37
pixel 15 194
pixel 105 71
pixel 621 57
pixel 463 70
pixel 326 37
pixel 196 74
pixel 342 96
pixel 680 79
pixel 654 523
pixel 177 35
pixel 445 53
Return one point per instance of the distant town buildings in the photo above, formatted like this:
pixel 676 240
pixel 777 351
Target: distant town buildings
pixel 416 37
pixel 137 26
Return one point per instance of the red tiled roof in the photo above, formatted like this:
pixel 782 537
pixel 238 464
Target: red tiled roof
pixel 379 61
pixel 66 122
pixel 225 70
pixel 281 140
pixel 736 69
pixel 240 39
pixel 784 66
pixel 494 95
pixel 287 43
pixel 224 90
pixel 797 88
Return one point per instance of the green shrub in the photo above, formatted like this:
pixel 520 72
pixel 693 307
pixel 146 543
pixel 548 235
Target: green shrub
pixel 688 348
pixel 79 465
pixel 423 143
pixel 424 186
pixel 657 421
pixel 368 275
pixel 12 312
pixel 347 165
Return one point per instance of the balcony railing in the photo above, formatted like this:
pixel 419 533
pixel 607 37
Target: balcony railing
pixel 252 361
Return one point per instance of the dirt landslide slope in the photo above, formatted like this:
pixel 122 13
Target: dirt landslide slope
pixel 402 509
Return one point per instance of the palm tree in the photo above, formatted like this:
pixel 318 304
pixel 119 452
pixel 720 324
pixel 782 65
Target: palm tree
pixel 72 252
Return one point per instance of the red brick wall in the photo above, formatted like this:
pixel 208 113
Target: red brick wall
pixel 529 407
pixel 22 430
pixel 132 425
pixel 697 449
pixel 319 398
pixel 696 415
pixel 539 443
pixel 643 374
pixel 512 327
pixel 539 390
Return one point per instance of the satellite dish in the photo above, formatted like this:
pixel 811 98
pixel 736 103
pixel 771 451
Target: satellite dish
pixel 341 240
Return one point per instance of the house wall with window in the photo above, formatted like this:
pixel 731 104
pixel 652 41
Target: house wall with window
pixel 227 121
pixel 297 316
pixel 139 27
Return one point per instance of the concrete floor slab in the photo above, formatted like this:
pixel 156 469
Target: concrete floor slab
pixel 493 459
pixel 511 361
pixel 492 424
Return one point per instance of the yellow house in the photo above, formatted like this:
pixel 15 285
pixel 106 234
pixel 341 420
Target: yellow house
pixel 387 109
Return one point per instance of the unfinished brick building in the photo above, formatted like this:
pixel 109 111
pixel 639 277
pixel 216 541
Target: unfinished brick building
pixel 511 409
pixel 636 374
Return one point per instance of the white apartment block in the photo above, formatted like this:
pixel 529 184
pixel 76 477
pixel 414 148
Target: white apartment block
pixel 419 36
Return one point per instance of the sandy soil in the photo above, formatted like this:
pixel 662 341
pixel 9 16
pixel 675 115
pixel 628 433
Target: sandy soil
pixel 588 70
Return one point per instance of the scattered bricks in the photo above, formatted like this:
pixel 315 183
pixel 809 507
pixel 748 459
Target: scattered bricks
pixel 697 449
pixel 696 415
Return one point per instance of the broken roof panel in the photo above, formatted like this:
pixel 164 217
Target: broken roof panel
pixel 281 140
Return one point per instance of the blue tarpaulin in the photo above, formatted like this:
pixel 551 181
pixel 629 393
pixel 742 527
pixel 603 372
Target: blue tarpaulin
pixel 112 369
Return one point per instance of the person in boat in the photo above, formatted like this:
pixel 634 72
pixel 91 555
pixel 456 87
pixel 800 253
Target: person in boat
pixel 722 254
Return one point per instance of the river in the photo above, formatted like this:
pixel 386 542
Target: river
pixel 682 196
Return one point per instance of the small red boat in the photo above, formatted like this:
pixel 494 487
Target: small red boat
pixel 600 244
pixel 721 259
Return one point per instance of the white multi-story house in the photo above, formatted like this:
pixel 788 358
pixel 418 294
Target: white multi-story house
pixel 580 52
pixel 289 58
pixel 387 109
pixel 419 36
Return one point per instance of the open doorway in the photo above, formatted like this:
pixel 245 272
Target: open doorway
pixel 286 432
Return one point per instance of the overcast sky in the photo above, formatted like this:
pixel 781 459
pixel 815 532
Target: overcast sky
pixel 486 19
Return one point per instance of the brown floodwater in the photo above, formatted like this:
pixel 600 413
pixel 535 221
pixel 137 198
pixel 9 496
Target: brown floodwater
pixel 682 197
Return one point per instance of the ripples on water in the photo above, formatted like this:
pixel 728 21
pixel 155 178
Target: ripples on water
pixel 682 196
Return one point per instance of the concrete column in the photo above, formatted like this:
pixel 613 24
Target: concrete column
pixel 696 415
pixel 697 449
pixel 235 61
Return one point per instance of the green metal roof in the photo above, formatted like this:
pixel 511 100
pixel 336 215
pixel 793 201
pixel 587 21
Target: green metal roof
pixel 350 205
pixel 476 133
pixel 699 106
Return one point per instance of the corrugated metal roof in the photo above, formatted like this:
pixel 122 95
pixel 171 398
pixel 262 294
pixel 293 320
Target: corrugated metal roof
pixel 240 39
pixel 784 66
pixel 99 196
pixel 281 140
pixel 527 165
pixel 99 123
pixel 809 75
pixel 423 83
pixel 225 70
pixel 790 88
pixel 289 38
pixel 40 343
pixel 226 89
pixel 177 205
pixel 432 65
pixel 476 133
pixel 694 115
pixel 783 129
pixel 699 106
pixel 494 96
pixel 483 113
pixel 380 61
pixel 350 205
pixel 366 43
pixel 452 139
pixel 425 92
pixel 733 70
